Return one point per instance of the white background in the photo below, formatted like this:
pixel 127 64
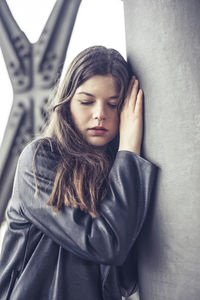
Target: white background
pixel 99 22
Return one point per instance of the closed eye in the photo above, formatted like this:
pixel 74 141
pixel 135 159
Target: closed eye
pixel 112 105
pixel 86 102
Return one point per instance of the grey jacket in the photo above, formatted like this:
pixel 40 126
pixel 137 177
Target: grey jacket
pixel 69 255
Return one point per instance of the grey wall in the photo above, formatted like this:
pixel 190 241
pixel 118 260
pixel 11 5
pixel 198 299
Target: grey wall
pixel 163 46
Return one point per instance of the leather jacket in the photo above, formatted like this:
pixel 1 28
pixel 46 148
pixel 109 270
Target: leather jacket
pixel 69 255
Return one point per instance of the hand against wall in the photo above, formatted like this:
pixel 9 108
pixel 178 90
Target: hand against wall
pixel 131 119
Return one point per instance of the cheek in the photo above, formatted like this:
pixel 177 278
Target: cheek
pixel 77 120
pixel 79 116
pixel 115 121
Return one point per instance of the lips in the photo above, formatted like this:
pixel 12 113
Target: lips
pixel 98 130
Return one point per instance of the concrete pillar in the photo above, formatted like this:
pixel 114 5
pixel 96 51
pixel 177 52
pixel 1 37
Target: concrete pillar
pixel 163 46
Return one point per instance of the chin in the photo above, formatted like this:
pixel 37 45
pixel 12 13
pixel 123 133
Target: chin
pixel 100 141
pixel 99 144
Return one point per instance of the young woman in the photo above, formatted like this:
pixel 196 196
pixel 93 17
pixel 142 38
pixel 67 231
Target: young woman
pixel 81 192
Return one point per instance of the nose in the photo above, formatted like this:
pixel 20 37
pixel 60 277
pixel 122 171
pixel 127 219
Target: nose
pixel 99 112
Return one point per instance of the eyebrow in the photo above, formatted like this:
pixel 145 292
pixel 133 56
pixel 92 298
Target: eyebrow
pixel 90 95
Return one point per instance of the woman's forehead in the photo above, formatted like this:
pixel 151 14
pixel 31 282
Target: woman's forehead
pixel 104 83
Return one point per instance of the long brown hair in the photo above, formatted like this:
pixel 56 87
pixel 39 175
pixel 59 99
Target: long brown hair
pixel 82 175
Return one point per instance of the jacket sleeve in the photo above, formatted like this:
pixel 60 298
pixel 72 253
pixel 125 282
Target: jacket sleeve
pixel 128 273
pixel 106 239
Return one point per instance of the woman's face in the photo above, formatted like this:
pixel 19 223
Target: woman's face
pixel 94 109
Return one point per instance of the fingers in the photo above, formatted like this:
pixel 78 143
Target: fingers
pixel 131 119
pixel 132 94
pixel 139 103
pixel 130 88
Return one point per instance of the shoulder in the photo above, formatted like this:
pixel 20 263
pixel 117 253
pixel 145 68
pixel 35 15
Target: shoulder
pixel 41 152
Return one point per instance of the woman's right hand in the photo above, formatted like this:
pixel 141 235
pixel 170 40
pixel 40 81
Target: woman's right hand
pixel 131 119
